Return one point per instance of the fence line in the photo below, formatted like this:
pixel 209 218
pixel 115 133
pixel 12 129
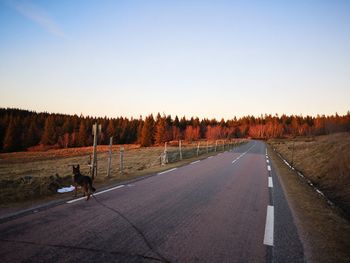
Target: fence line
pixel 172 153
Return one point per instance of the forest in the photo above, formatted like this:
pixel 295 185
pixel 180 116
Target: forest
pixel 22 129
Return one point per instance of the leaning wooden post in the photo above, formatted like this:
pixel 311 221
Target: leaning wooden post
pixel 109 156
pixel 180 150
pixel 121 159
pixel 216 144
pixel 197 149
pixel 223 145
pixel 207 147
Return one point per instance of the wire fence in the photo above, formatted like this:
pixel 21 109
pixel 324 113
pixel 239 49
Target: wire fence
pixel 171 152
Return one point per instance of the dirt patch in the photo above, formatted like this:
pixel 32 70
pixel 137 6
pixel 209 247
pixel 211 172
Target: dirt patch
pixel 324 231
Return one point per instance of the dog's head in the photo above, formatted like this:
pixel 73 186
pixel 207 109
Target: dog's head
pixel 76 169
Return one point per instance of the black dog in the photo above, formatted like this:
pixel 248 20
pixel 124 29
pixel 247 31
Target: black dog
pixel 84 181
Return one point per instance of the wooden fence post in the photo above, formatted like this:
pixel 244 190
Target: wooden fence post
pixel 96 130
pixel 180 149
pixel 109 156
pixel 121 154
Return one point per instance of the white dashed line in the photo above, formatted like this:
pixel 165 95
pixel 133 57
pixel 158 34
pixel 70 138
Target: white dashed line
pixel 235 160
pixel 268 237
pixel 269 168
pixel 75 200
pixel 110 189
pixel 267 161
pixel 270 182
pixel 167 171
pixel 195 162
pixel 102 192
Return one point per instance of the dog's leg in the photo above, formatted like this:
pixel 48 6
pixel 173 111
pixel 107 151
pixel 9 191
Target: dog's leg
pixel 85 191
pixel 75 190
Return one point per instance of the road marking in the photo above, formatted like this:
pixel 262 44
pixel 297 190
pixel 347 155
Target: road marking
pixel 270 182
pixel 110 189
pixel 268 237
pixel 267 161
pixel 269 168
pixel 210 157
pixel 167 171
pixel 195 162
pixel 243 154
pixel 102 192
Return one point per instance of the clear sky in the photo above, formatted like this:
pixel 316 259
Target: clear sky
pixel 181 57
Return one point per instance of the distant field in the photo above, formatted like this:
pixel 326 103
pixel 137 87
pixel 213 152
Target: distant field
pixel 325 160
pixel 34 174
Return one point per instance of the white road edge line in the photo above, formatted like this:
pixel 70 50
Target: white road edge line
pixel 268 237
pixel 270 182
pixel 269 168
pixel 102 192
pixel 195 162
pixel 167 171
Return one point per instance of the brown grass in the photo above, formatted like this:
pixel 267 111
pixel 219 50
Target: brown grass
pixel 325 160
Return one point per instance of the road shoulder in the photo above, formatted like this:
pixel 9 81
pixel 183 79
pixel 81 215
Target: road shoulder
pixel 324 232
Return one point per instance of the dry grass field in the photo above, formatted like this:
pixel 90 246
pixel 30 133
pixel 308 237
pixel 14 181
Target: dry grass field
pixel 325 160
pixel 25 175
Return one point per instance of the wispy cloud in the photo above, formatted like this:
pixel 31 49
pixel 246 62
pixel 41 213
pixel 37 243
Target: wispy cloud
pixel 37 15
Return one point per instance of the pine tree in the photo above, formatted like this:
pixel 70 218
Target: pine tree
pixel 49 136
pixel 12 136
pixel 110 128
pixel 31 136
pixel 147 131
pixel 82 136
pixel 139 130
pixel 160 136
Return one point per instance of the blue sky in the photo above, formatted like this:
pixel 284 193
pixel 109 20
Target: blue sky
pixel 194 58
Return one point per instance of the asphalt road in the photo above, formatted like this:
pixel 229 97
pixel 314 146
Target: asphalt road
pixel 221 209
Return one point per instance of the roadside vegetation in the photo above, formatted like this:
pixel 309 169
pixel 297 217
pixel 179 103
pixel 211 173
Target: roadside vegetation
pixel 324 160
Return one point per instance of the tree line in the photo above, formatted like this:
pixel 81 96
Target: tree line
pixel 22 129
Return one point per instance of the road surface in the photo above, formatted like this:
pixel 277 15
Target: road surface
pixel 226 208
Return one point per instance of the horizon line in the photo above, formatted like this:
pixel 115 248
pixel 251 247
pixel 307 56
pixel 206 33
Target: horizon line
pixel 176 115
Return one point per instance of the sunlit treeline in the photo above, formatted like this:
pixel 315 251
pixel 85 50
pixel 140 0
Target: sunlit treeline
pixel 21 129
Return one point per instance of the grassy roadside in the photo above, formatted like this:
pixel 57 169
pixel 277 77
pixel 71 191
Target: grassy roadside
pixel 324 160
pixel 324 232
